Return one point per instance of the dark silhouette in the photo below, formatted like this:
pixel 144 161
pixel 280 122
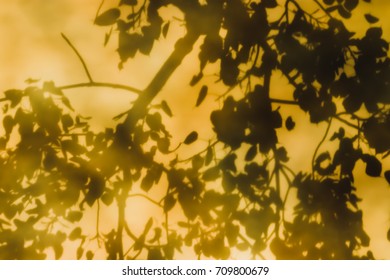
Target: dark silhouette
pixel 59 167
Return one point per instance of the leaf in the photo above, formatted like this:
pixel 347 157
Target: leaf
pixel 148 226
pixel 14 95
pixel 344 12
pixel 66 102
pixel 388 235
pixel 67 121
pixel 332 9
pixel 89 255
pixel 75 234
pixel 197 162
pixel 228 163
pixel 209 156
pixel 50 87
pixel 128 2
pixel 31 81
pixel 74 216
pixel 8 124
pixel 107 198
pixel 252 152
pixel 269 3
pixel 58 251
pixel 373 165
pixel 79 252
pixel 242 246
pixel 281 154
pixel 166 109
pixel 157 235
pixel 183 224
pixel 165 29
pixel 107 37
pixel 202 95
pixel 351 4
pixel 169 202
pixel 232 232
pixel 147 182
pixel 117 117
pixel 211 174
pixel 72 147
pixel 338 135
pixel 196 78
pixel 387 176
pixel 370 18
pixel 154 121
pixel 163 145
pixel 191 138
pixel 155 254
pixel 109 17
pixel 96 187
pixel 290 124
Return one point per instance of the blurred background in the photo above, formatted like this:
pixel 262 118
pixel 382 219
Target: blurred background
pixel 31 46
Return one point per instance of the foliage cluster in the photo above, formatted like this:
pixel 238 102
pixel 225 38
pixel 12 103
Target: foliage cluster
pixel 59 167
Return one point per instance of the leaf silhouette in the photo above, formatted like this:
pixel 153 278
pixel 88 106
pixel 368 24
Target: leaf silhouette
pixel 370 18
pixel 165 29
pixel 75 234
pixel 191 138
pixel 387 176
pixel 128 2
pixel 233 192
pixel 201 96
pixel 169 202
pixel 351 4
pixel 373 165
pixel 109 17
pixel 165 107
pixel 209 156
pixel 290 124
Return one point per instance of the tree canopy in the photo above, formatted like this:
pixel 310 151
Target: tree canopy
pixel 239 192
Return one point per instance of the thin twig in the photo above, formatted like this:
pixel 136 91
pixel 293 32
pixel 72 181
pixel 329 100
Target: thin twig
pixel 199 153
pixel 98 10
pixel 283 101
pixel 287 192
pixel 98 237
pixel 145 197
pixel 346 122
pixel 319 145
pixel 79 56
pixel 96 84
pixel 323 8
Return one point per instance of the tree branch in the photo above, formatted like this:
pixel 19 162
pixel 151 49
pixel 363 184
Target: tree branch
pixel 182 48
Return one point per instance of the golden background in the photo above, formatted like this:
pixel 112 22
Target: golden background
pixel 31 47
